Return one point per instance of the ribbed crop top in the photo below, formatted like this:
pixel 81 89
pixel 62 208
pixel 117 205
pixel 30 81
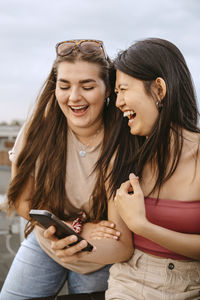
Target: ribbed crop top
pixel 180 216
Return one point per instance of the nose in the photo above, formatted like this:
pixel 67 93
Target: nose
pixel 74 94
pixel 119 101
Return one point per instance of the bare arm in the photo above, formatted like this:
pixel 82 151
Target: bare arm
pixel 108 250
pixel 22 202
pixel 181 243
pixel 132 210
pixel 73 253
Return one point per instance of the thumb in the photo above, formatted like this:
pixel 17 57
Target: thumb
pixel 134 180
pixel 132 176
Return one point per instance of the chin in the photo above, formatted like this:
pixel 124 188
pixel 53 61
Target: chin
pixel 134 132
pixel 139 131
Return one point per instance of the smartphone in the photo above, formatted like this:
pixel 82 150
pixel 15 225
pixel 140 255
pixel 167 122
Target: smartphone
pixel 46 219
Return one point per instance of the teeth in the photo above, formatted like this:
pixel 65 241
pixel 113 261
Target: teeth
pixel 128 113
pixel 78 107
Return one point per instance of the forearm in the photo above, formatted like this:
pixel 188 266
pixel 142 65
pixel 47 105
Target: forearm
pixel 109 251
pixel 131 208
pixel 182 243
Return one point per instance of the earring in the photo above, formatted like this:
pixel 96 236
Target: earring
pixel 107 101
pixel 159 105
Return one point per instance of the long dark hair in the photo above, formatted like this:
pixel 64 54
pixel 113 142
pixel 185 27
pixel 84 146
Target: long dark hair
pixel 146 60
pixel 45 147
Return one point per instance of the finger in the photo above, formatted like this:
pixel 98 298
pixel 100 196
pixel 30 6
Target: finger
pixel 106 223
pixel 49 233
pixel 134 181
pixel 63 243
pixel 125 187
pixel 125 184
pixel 106 232
pixel 103 235
pixel 71 250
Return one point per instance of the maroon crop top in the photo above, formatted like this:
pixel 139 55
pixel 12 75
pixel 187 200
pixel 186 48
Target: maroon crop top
pixel 180 216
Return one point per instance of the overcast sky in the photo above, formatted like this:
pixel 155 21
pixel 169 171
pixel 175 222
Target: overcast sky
pixel 29 30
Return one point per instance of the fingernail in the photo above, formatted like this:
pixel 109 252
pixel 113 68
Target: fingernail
pixel 83 243
pixel 118 233
pixel 115 237
pixel 73 238
pixel 132 176
pixel 94 248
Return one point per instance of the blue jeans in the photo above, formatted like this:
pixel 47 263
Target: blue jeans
pixel 34 274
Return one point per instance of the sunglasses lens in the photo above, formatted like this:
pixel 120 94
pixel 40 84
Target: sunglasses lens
pixel 85 46
pixel 90 47
pixel 65 48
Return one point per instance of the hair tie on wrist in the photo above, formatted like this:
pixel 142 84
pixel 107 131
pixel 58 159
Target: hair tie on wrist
pixel 77 224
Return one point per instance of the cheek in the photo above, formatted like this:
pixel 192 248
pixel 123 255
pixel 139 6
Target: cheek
pixel 96 98
pixel 147 111
pixel 60 96
pixel 151 115
pixel 132 100
pixel 97 107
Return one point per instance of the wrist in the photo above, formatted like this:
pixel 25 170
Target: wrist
pixel 77 224
pixel 141 228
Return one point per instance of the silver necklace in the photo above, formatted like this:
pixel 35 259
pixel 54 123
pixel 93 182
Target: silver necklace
pixel 83 151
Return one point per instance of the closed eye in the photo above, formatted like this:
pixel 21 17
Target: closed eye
pixel 64 87
pixel 88 88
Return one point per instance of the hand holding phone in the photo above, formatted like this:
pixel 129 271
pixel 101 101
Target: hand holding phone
pixel 47 219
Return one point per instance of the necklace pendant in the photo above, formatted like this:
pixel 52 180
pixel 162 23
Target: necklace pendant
pixel 82 153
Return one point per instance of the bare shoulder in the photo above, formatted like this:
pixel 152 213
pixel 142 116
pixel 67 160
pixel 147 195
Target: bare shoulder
pixel 191 137
pixel 191 142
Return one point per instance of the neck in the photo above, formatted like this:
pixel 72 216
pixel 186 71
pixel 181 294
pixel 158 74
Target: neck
pixel 85 135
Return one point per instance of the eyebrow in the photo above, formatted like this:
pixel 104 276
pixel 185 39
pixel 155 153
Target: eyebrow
pixel 87 80
pixel 81 81
pixel 122 84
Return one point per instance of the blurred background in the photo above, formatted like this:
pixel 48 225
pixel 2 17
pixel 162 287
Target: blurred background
pixel 29 30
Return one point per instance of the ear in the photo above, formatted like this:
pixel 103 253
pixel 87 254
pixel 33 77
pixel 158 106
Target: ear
pixel 160 88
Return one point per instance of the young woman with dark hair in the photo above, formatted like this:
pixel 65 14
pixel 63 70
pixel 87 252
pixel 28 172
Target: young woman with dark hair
pixel 52 168
pixel 160 203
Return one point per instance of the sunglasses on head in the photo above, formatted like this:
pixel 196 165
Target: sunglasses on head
pixel 84 46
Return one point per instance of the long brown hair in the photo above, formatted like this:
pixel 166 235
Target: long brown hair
pixel 45 146
pixel 146 60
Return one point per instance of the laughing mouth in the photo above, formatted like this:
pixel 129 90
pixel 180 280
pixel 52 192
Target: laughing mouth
pixel 129 114
pixel 80 108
